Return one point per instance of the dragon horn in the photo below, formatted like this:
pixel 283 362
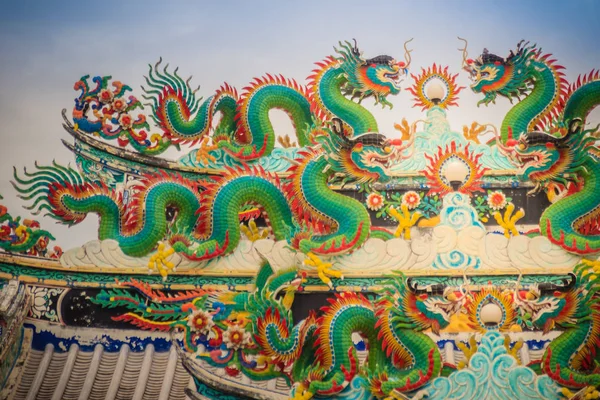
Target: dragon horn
pixel 517 284
pixel 407 52
pixel 464 287
pixel 465 64
pixel 355 49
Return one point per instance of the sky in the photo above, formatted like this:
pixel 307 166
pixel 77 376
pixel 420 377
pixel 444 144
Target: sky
pixel 45 47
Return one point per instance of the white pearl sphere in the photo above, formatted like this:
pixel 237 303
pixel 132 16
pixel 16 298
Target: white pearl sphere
pixel 435 91
pixel 491 314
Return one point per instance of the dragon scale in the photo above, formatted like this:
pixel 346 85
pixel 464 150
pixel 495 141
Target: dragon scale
pixel 581 209
pixel 527 114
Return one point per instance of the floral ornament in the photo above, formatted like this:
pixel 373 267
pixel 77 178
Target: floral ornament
pixel 119 105
pixel 200 321
pixel 106 96
pixel 126 121
pixel 496 200
pixel 43 305
pixel 374 201
pixel 236 337
pixel 411 199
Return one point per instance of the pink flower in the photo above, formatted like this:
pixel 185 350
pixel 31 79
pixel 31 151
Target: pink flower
pixel 496 200
pixel 411 199
pixel 119 105
pixel 236 337
pixel 126 121
pixel 105 96
pixel 200 321
pixel 374 201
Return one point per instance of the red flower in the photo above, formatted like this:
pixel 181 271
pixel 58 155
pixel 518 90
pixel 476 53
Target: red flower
pixel 126 121
pixel 374 201
pixel 105 96
pixel 411 199
pixel 496 200
pixel 119 105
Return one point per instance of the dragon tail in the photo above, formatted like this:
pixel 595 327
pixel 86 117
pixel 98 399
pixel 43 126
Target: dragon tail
pixel 174 104
pixel 49 185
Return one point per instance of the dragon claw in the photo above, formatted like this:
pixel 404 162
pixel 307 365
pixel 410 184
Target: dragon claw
pixel 468 349
pixel 302 393
pixel 252 232
pixel 158 261
pixel 203 155
pixel 588 392
pixel 508 220
pixel 324 270
pixel 405 219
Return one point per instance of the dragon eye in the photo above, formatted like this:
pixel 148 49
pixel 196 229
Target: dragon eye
pixel 485 74
pixel 522 146
pixel 387 149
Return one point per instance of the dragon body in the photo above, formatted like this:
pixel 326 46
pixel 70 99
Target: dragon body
pixel 551 146
pixel 528 73
pixel 205 225
pixel 571 359
pixel 244 130
pixel 572 221
pixel 316 355
pixel 401 358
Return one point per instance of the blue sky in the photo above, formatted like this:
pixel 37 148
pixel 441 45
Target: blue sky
pixel 46 46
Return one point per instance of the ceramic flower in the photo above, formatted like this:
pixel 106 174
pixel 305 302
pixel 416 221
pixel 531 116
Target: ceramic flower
pixel 374 201
pixel 496 200
pixel 119 105
pixel 411 199
pixel 200 321
pixel 236 337
pixel 105 96
pixel 126 121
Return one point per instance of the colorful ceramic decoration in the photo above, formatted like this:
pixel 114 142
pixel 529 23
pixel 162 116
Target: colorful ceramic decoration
pixel 341 261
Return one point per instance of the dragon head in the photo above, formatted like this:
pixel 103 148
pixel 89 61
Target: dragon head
pixel 547 304
pixel 374 77
pixel 432 307
pixel 544 158
pixel 493 75
pixel 364 158
pixel 439 309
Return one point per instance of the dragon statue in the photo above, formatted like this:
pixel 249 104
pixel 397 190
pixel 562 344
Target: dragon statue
pixel 551 146
pixel 303 210
pixel 319 351
pixel 244 130
pixel 241 220
pixel 571 360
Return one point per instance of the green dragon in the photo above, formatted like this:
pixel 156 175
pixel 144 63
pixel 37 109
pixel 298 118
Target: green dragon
pixel 401 357
pixel 244 130
pixel 572 221
pixel 559 155
pixel 303 210
pixel 571 359
pixel 548 101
